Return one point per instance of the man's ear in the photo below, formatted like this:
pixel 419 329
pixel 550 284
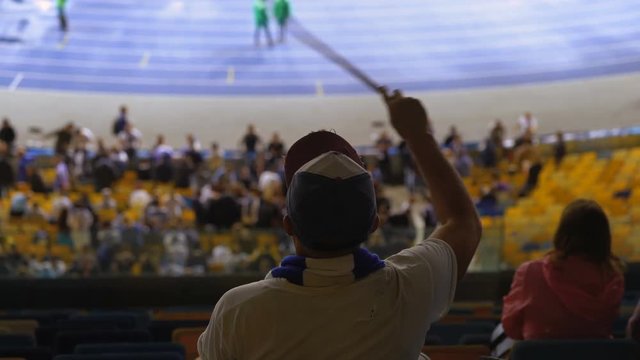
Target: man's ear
pixel 288 225
pixel 376 223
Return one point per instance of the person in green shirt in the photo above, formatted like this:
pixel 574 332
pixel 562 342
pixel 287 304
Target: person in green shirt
pixel 282 12
pixel 62 15
pixel 262 21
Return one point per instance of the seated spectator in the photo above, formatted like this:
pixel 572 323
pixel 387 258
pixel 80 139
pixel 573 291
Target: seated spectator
pixel 163 171
pixel 63 176
pixel 275 148
pixel 154 213
pixel 193 150
pixel 269 179
pixel 19 204
pixel 160 150
pixel 107 202
pixel 140 197
pixel 35 181
pixel 80 220
pixel 35 214
pixel 216 160
pixel 105 172
pixel 576 290
pixel 130 141
pixel 341 300
pixel 224 210
pixel 559 148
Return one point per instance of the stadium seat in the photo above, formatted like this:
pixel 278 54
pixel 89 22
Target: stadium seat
pixel 19 326
pixel 188 337
pixel 452 333
pixel 475 339
pixel 28 353
pixel 66 341
pixel 121 348
pixel 575 349
pixel 132 356
pixel 16 340
pixel 458 352
pixel 162 330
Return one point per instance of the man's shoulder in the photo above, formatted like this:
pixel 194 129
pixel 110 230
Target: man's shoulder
pixel 247 295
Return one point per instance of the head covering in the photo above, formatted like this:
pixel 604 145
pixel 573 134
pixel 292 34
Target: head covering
pixel 330 199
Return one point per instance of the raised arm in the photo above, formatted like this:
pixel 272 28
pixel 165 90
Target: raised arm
pixel 459 222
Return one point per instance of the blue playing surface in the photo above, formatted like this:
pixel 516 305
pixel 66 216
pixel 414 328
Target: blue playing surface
pixel 205 47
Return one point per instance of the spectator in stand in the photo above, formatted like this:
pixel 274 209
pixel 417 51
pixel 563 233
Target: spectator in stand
pixel 161 150
pixel 528 159
pixel 269 178
pixel 155 213
pixel 140 197
pixel 451 137
pixel 8 134
pixel 193 150
pixel 7 173
pixel 35 214
pixel 60 202
pixel 383 144
pixel 463 163
pixel 63 177
pixel 120 123
pixel 107 202
pixel 251 144
pixel 119 158
pixel 105 172
pixel 559 148
pixel 527 123
pixel 223 210
pixel 82 137
pixel 64 231
pixel 63 136
pixel 216 160
pixel 81 164
pixel 498 134
pixel 276 148
pixel 332 284
pixel 85 263
pixel 35 181
pixel 18 204
pixel 130 140
pixel 174 205
pixel 80 220
pixel 576 290
pixel 246 178
pixel 24 161
pixel 164 171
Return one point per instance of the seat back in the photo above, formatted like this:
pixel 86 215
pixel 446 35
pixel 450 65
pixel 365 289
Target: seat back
pixel 452 333
pixel 575 349
pixel 456 352
pixel 66 341
pixel 188 337
pixel 20 326
pixel 129 348
pixel 28 353
pixel 16 340
pixel 126 356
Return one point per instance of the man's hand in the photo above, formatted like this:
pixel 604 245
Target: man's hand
pixel 408 116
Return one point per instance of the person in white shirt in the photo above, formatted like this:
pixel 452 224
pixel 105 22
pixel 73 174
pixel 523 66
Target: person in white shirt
pixel 130 140
pixel 527 123
pixel 140 197
pixel 334 299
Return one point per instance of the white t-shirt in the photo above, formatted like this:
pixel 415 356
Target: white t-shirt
pixel 385 315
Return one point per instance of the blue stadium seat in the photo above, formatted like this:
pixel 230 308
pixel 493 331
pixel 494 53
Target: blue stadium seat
pixel 121 320
pixel 132 356
pixel 575 349
pixel 66 341
pixel 11 340
pixel 46 335
pixel 129 348
pixel 452 333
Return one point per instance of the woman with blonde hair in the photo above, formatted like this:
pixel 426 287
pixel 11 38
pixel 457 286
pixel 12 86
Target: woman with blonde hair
pixel 575 291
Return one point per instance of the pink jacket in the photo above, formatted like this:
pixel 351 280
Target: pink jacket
pixel 573 298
